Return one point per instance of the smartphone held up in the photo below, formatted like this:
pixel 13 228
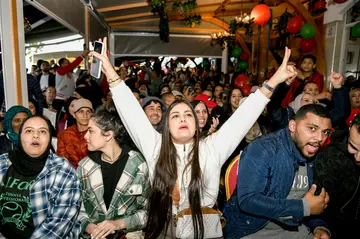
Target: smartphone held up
pixel 96 64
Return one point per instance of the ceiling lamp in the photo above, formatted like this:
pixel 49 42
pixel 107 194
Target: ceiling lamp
pixel 220 38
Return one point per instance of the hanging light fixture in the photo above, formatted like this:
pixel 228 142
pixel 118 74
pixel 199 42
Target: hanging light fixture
pixel 220 38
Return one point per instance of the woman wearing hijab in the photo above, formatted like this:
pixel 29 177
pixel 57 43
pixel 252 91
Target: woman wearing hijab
pixel 184 169
pixel 39 191
pixel 115 176
pixel 13 119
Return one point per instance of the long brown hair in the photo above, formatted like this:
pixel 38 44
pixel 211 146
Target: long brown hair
pixel 160 194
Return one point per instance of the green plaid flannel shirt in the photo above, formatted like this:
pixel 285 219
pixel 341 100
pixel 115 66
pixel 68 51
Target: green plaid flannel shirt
pixel 129 199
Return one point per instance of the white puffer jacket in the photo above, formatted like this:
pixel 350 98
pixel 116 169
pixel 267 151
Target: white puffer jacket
pixel 214 150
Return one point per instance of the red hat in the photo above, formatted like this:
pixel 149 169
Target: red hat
pixel 206 99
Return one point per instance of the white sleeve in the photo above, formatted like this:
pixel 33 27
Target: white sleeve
pixel 135 121
pixel 228 137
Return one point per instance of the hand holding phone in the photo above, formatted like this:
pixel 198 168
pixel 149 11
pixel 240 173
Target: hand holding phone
pixel 96 64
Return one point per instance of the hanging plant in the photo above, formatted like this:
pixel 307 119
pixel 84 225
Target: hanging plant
pixel 191 21
pixel 248 25
pixel 159 7
pixel 281 27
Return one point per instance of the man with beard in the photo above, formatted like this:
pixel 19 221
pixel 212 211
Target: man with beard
pixel 275 196
pixel 154 109
pixel 45 78
pixel 337 169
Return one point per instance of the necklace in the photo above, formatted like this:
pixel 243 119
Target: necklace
pixel 108 160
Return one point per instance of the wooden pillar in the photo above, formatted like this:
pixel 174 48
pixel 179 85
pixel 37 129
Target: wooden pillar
pixel 13 52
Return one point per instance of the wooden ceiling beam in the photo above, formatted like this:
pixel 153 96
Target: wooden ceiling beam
pixel 233 12
pixel 122 7
pixel 172 28
pixel 114 24
pixel 123 17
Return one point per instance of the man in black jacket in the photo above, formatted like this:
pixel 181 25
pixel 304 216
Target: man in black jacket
pixel 337 169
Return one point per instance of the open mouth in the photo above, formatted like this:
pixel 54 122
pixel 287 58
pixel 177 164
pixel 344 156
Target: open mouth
pixel 312 147
pixel 183 127
pixel 35 144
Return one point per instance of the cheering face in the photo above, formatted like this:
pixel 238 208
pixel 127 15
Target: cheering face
pixel 218 91
pixel 354 143
pixel 50 94
pixel 18 119
pixel 311 88
pixel 182 124
pixel 83 116
pixel 123 73
pixel 308 65
pixel 235 98
pixel 310 133
pixel 165 90
pixel 154 113
pixel 202 114
pixel 355 99
pixel 307 99
pixel 35 136
pixel 32 108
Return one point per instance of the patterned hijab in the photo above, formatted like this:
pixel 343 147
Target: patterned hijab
pixel 7 123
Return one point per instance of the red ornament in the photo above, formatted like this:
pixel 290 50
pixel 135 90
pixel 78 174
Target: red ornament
pixel 242 80
pixel 307 45
pixel 294 25
pixel 319 7
pixel 244 56
pixel 261 14
pixel 246 89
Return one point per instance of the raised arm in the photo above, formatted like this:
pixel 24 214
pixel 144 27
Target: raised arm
pixel 235 128
pixel 341 100
pixel 132 115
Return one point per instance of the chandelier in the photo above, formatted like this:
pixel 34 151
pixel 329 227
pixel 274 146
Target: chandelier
pixel 221 38
pixel 217 35
pixel 244 18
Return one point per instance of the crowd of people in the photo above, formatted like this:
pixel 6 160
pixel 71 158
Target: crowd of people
pixel 140 153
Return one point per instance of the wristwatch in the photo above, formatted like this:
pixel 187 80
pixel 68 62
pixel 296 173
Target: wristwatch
pixel 269 88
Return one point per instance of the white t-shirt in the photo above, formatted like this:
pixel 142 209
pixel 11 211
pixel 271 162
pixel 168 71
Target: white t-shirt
pixel 44 82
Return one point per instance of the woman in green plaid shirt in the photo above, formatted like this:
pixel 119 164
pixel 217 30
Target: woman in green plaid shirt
pixel 114 179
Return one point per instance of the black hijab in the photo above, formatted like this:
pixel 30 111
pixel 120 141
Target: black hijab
pixel 23 163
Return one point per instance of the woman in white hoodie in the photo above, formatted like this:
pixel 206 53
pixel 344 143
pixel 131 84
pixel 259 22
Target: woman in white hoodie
pixel 184 169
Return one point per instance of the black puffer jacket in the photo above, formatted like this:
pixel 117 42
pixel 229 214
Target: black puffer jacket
pixel 336 171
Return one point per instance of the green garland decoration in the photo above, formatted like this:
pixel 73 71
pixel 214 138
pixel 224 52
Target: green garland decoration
pixel 191 21
pixel 186 8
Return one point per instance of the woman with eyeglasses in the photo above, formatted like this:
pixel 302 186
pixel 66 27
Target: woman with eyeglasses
pixel 184 168
pixel 13 119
